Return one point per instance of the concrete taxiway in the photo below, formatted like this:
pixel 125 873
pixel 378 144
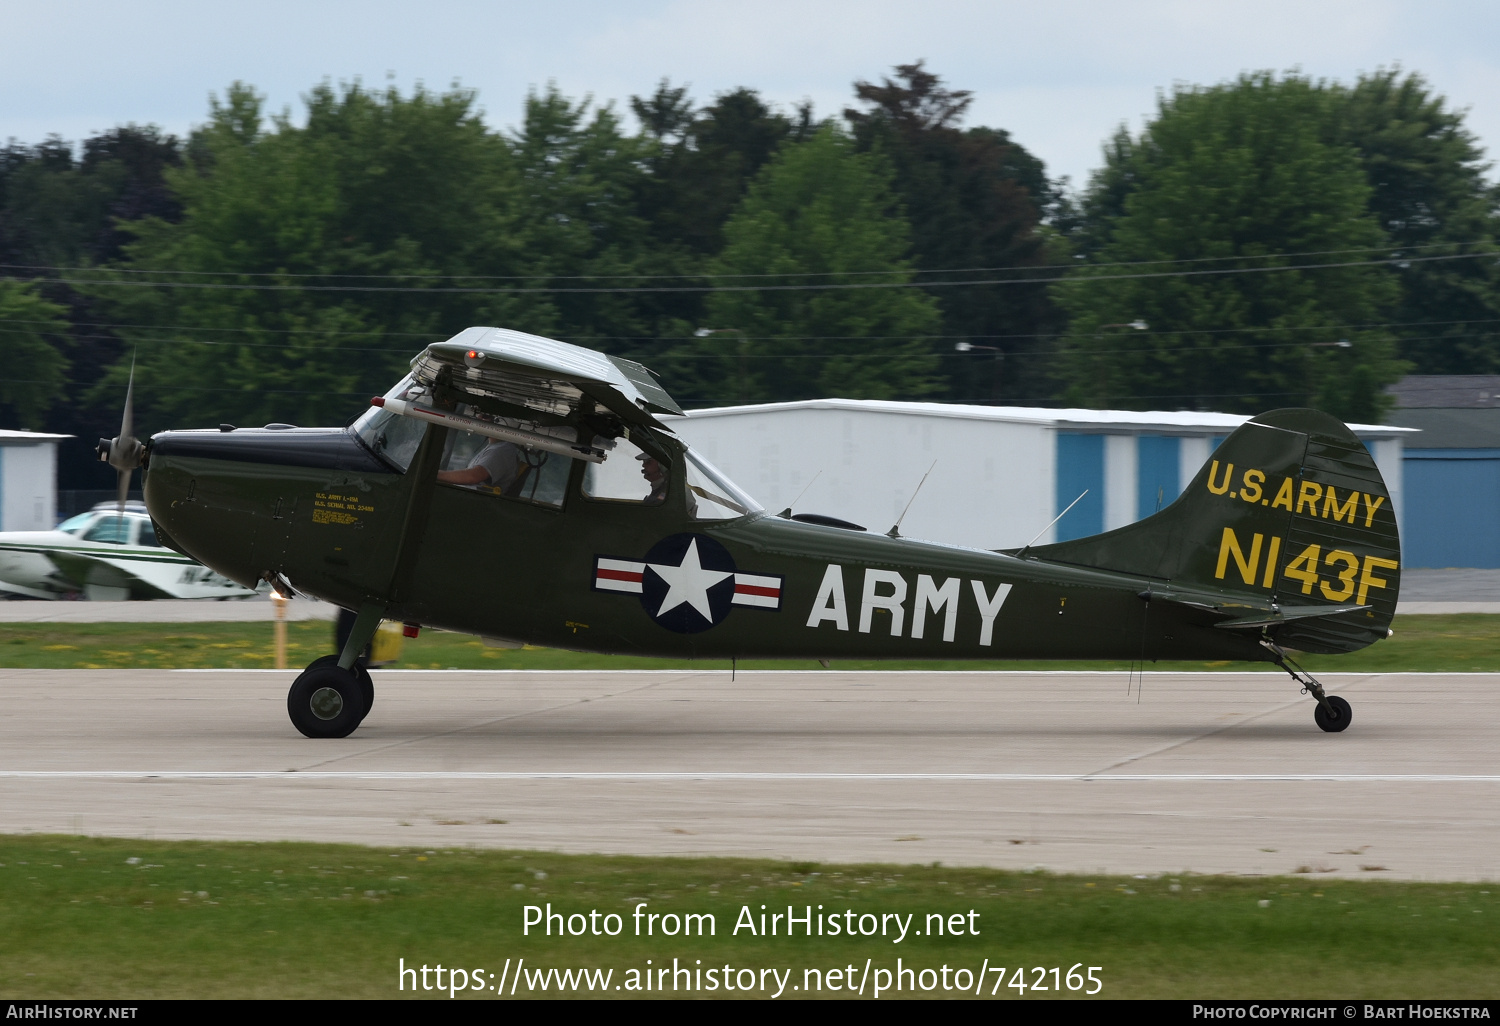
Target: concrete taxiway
pixel 1212 773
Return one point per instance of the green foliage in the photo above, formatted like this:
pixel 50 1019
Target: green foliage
pixel 818 209
pixel 268 311
pixel 1231 178
pixel 1426 174
pixel 30 328
pixel 976 199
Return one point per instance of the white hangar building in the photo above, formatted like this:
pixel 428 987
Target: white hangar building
pixel 28 480
pixel 999 474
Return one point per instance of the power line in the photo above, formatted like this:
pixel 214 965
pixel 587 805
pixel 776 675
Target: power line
pixel 1078 278
pixel 723 274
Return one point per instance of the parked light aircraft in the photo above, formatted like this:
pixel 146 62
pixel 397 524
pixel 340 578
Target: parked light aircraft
pixel 520 488
pixel 110 552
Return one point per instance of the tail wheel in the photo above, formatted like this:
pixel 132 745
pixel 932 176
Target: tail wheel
pixel 325 701
pixel 1340 718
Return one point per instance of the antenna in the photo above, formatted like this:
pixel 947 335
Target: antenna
pixel 895 532
pixel 788 511
pixel 1054 520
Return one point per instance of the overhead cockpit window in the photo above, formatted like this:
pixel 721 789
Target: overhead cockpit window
pixel 628 474
pixel 714 496
pixel 390 437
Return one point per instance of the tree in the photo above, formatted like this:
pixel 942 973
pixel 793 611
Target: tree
pixel 28 324
pixel 1225 182
pixel 975 199
pixel 819 213
pixel 310 262
pixel 1429 194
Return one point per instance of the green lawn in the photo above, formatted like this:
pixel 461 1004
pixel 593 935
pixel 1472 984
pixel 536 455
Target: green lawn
pixel 150 919
pixel 1464 642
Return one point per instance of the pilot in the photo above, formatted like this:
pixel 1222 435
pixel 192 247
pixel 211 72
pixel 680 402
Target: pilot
pixel 656 475
pixel 497 465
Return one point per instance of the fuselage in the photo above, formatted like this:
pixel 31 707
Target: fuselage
pixel 323 511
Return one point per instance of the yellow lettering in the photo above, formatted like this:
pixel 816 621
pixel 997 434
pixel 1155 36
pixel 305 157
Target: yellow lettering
pixel 1370 509
pixel 1270 578
pixel 1331 508
pixel 1214 469
pixel 1309 495
pixel 1284 496
pixel 1250 486
pixel 1368 580
pixel 1308 561
pixel 1346 576
pixel 1230 544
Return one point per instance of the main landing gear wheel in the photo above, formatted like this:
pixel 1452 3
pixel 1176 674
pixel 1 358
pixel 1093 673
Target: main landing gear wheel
pixel 360 670
pixel 325 701
pixel 1340 717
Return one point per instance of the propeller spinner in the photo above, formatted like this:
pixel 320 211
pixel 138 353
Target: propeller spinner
pixel 123 452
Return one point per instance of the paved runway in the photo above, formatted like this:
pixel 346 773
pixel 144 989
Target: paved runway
pixel 1213 773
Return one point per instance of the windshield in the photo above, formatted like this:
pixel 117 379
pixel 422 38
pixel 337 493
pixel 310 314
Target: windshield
pixel 73 525
pixel 389 436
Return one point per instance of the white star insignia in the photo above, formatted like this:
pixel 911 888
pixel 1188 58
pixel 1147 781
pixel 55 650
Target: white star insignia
pixel 688 583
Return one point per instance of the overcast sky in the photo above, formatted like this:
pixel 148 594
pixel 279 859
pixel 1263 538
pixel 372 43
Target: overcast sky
pixel 1060 75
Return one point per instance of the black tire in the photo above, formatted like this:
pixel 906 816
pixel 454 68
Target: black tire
pixel 325 701
pixel 1341 718
pixel 364 679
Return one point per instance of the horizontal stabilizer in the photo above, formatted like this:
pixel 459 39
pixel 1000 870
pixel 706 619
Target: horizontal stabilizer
pixel 1286 614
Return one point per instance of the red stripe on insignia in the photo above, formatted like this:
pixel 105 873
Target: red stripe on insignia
pixel 751 589
pixel 633 576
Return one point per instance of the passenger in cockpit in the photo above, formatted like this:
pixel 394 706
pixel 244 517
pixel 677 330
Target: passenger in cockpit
pixel 497 465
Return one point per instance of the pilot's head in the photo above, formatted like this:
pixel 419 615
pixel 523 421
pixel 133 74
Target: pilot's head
pixel 651 468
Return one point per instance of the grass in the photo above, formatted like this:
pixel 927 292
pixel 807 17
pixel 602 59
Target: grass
pixel 111 918
pixel 1459 642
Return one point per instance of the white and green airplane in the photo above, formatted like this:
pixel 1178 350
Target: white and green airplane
pixel 107 553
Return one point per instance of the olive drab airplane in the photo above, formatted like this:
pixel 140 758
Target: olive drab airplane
pixel 524 489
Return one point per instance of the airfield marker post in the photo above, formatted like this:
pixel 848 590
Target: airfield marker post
pixel 279 602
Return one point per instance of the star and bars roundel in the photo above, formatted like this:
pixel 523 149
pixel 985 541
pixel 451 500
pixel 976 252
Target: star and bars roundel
pixel 687 583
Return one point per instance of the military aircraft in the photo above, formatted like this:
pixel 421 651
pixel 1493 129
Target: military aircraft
pixel 110 552
pixel 520 488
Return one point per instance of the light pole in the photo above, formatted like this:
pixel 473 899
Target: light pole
pixel 1138 325
pixel 968 347
pixel 744 356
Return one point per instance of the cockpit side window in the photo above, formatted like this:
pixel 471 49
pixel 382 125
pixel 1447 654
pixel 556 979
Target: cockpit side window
pixel 147 534
pixel 499 467
pixel 628 474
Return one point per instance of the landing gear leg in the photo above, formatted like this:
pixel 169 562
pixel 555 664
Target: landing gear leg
pixel 1332 713
pixel 333 695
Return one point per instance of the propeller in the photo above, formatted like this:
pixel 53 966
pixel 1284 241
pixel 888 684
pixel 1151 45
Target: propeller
pixel 123 452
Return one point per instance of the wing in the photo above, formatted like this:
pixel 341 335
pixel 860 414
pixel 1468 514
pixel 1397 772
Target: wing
pixel 144 573
pixel 541 375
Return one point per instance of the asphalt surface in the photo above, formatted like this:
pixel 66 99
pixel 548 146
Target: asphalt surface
pixel 1213 773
